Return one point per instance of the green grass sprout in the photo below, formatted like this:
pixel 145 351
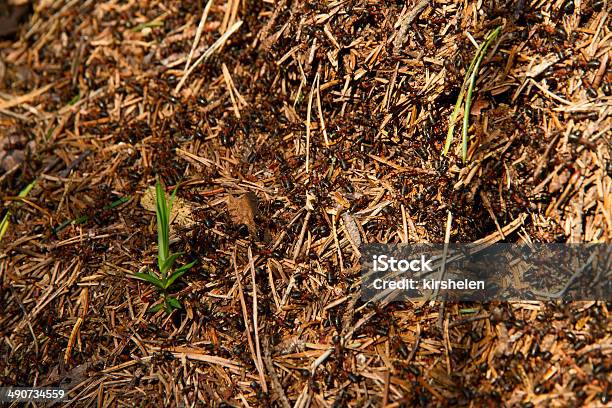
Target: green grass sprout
pixel 468 85
pixel 150 24
pixel 74 99
pixel 5 220
pixel 165 259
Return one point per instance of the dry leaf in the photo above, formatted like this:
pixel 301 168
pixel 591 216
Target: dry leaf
pixel 311 200
pixel 181 209
pixel 341 201
pixel 351 229
pixel 243 210
pixel 559 181
pixel 10 24
pixel 478 105
pixel 503 340
pixel 13 151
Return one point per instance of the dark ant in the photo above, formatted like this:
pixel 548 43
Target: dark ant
pixel 171 80
pixel 591 92
pixel 597 5
pixel 569 7
pixel 354 378
pixel 402 349
pixel 243 230
pixel 331 276
pixel 344 164
pixel 226 139
pixel 541 197
pixel 418 36
pixel 287 184
pixel 162 356
pixel 519 9
pixel 593 64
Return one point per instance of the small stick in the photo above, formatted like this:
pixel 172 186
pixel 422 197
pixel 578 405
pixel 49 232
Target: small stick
pixel 230 89
pixel 245 314
pixel 321 111
pixel 298 246
pixel 386 389
pixel 262 376
pixel 308 114
pixel 447 347
pixel 210 51
pixel 601 71
pixel 72 339
pixel 405 225
pixel 449 220
pixel 276 384
pixel 489 208
pixel 196 41
pixel 18 100
pixel 543 160
pixel 406 21
pixel 335 232
pixel 416 345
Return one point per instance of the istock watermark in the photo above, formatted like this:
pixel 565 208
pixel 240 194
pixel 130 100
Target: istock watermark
pixel 472 272
pixel 382 263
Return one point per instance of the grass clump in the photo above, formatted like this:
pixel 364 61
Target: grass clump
pixel 165 259
pixel 468 86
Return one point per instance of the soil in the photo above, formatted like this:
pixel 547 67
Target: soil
pixel 295 129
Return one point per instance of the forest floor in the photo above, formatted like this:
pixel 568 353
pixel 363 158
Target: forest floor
pixel 290 130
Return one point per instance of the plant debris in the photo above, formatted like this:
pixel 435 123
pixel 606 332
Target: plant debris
pixel 296 130
pixel 243 210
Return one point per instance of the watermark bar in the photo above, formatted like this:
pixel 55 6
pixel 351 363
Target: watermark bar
pixel 32 394
pixel 477 272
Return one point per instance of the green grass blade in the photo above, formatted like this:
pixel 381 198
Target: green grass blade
pixel 167 265
pixel 163 233
pixel 171 201
pixel 468 99
pixel 453 118
pixel 177 274
pixel 466 116
pixel 150 278
pixel 74 99
pixel 451 126
pixel 156 308
pixel 174 303
pixel 4 224
pixel 150 24
pixel 27 189
pixel 469 75
pixel 5 220
pixel 117 202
